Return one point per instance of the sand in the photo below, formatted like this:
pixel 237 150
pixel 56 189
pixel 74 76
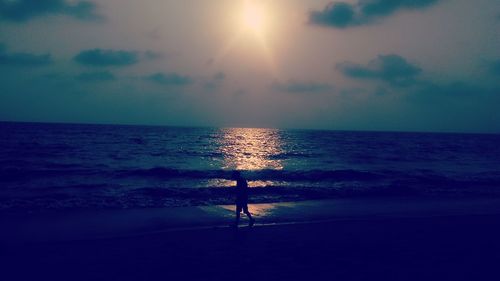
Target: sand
pixel 454 240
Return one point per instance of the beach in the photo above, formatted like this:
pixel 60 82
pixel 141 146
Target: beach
pixel 249 140
pixel 434 239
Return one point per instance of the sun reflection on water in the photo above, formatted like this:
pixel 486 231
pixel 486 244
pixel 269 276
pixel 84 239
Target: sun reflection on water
pixel 259 210
pixel 251 149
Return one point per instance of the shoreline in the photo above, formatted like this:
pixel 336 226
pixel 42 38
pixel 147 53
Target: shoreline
pixel 390 239
pixel 97 224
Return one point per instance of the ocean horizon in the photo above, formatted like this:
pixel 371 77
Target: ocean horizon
pixel 250 127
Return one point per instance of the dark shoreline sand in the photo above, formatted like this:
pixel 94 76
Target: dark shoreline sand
pixel 462 243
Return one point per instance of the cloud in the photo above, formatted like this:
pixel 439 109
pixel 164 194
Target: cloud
pixel 169 79
pixel 100 58
pixel 293 86
pixel 392 68
pixel 151 55
pixel 214 82
pixel 371 8
pixel 334 14
pixel 343 15
pixel 25 10
pixel 100 76
pixel 23 59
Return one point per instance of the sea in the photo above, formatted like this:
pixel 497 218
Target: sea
pixel 78 166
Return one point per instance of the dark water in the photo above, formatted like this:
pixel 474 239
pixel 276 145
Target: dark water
pixel 56 166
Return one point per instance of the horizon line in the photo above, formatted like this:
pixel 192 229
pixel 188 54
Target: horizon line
pixel 230 127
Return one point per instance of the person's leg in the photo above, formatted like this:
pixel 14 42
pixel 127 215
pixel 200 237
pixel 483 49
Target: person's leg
pixel 238 211
pixel 245 210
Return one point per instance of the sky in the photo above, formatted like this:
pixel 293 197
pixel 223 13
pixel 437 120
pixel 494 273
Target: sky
pixel 398 65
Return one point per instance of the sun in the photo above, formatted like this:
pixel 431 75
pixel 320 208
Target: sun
pixel 255 22
pixel 254 17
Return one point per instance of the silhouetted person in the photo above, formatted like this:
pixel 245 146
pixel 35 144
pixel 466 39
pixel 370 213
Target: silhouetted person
pixel 242 198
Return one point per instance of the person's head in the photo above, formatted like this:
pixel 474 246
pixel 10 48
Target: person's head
pixel 236 175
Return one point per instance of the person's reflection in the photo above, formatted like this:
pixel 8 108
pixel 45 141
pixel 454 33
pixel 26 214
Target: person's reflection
pixel 241 198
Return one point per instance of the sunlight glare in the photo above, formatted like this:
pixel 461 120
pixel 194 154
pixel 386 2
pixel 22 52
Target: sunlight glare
pixel 254 20
pixel 253 17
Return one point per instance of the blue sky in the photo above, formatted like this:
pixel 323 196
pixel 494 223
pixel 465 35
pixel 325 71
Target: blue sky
pixel 405 65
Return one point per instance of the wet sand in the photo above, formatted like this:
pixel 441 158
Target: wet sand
pixel 463 244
